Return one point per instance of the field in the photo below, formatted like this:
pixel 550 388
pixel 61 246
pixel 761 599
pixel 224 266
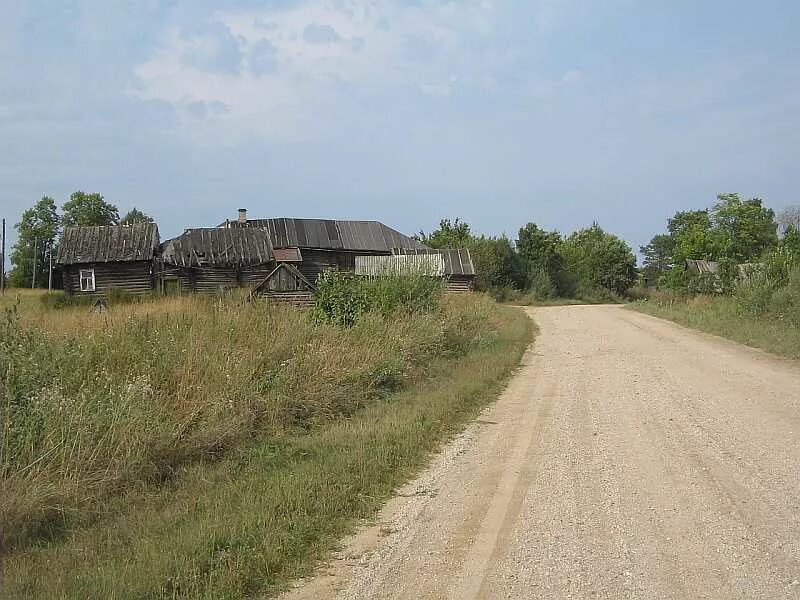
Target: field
pixel 198 448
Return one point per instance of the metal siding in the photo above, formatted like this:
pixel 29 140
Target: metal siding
pixel 431 265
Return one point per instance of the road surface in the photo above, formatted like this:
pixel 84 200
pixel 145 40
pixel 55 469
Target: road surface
pixel 628 458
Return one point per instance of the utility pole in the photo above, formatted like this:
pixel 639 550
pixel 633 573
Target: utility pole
pixel 50 269
pixel 35 252
pixel 3 262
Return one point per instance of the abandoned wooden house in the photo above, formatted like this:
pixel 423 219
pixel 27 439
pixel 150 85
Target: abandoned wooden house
pixel 313 245
pixel 281 258
pixel 213 260
pixel 97 260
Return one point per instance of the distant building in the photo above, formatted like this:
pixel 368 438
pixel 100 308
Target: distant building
pixel 280 258
pixel 96 260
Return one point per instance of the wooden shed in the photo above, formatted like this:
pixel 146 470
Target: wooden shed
pixel 96 260
pixel 213 260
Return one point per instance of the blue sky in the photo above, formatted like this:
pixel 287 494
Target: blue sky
pixel 560 112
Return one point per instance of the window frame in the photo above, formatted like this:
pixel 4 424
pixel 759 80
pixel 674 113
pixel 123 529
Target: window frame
pixel 90 277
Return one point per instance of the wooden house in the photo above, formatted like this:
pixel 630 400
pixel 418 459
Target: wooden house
pixel 322 243
pixel 97 260
pixel 213 260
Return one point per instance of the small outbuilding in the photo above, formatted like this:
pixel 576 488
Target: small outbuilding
pixel 95 261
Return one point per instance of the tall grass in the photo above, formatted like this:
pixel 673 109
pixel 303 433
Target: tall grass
pixel 763 311
pixel 110 423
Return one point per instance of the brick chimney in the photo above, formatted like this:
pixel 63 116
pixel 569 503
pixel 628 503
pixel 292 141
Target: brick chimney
pixel 242 216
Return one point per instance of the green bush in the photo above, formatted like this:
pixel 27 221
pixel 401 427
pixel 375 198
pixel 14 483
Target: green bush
pixel 342 297
pixel 540 284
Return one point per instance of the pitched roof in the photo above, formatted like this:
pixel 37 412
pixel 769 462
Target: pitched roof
pixel 702 266
pixel 212 246
pixel 457 261
pixel 112 243
pixel 369 236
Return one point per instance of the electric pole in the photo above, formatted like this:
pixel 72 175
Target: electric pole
pixel 50 270
pixel 35 252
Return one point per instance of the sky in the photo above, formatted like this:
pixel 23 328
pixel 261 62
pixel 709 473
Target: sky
pixel 500 112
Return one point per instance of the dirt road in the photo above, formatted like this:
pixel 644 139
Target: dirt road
pixel 629 458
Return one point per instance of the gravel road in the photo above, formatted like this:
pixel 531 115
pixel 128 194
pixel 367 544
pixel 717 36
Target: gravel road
pixel 628 458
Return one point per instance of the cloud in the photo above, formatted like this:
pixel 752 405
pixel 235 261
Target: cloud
pixel 320 34
pixel 212 47
pixel 301 58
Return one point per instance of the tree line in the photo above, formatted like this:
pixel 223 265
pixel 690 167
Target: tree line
pixel 41 226
pixel 731 233
pixel 589 263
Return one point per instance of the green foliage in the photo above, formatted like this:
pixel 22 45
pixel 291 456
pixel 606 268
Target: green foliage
pixel 693 237
pixel 541 251
pixel 745 228
pixel 496 263
pixel 37 230
pixel 540 284
pixel 791 240
pixel 658 257
pixel 134 215
pixel 88 209
pixel 343 297
pixel 759 282
pixel 451 234
pixel 600 260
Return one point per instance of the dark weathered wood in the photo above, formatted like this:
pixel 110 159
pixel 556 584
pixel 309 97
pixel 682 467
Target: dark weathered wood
pixel 131 277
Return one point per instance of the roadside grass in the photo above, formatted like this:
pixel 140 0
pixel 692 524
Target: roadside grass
pixel 722 315
pixel 262 440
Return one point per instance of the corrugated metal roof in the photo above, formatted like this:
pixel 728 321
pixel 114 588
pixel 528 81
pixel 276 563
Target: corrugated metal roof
pixel 431 265
pixel 112 243
pixel 218 247
pixel 457 261
pixel 368 236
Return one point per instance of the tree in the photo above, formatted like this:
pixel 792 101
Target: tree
pixel 37 229
pixel 496 263
pixel 788 217
pixel 539 250
pixel 791 241
pixel 88 209
pixel 658 256
pixel 746 229
pixel 451 234
pixel 600 260
pixel 693 236
pixel 134 215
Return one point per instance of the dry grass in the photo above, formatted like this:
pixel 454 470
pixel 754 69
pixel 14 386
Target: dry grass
pixel 191 448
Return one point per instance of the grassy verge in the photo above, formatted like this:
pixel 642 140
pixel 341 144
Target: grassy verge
pixel 723 316
pixel 261 439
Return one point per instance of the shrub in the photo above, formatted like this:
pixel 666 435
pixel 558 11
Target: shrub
pixel 342 297
pixel 540 284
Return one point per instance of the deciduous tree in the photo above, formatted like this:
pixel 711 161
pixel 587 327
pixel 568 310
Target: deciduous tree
pixel 37 231
pixel 88 209
pixel 135 215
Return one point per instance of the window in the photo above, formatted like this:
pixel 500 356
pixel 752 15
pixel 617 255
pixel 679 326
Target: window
pixel 87 280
